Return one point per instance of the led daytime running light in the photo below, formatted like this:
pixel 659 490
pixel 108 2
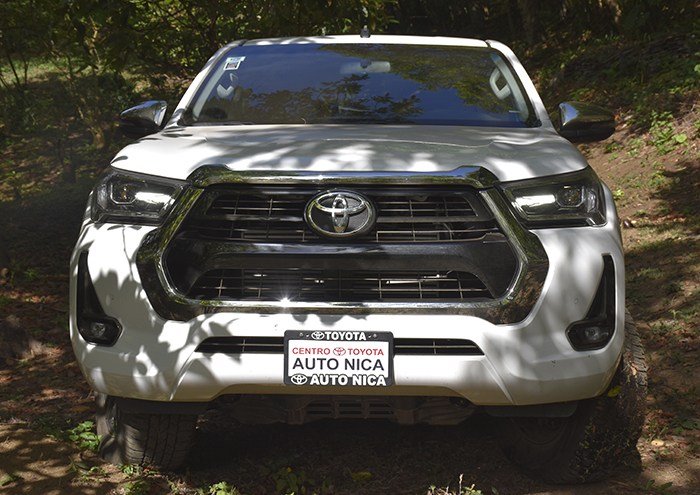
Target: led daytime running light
pixel 133 198
pixel 570 199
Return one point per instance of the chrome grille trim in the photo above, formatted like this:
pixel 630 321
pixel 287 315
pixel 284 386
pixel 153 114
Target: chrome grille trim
pixel 509 307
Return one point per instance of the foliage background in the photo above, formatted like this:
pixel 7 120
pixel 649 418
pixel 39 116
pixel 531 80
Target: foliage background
pixel 68 67
pixel 109 53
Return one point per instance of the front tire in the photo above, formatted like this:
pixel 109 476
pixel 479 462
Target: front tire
pixel 588 445
pixel 161 441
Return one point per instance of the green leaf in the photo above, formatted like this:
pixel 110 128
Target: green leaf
pixel 10 478
pixel 361 476
pixel 614 391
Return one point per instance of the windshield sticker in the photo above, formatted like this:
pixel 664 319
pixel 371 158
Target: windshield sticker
pixel 233 63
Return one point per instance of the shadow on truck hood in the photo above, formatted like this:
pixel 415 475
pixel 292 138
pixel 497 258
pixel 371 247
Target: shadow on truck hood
pixel 510 154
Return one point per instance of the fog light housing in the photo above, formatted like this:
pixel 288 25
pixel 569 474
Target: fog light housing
pixel 588 335
pixel 598 327
pixel 93 324
pixel 100 330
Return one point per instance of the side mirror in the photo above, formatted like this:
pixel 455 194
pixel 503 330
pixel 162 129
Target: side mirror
pixel 583 123
pixel 142 120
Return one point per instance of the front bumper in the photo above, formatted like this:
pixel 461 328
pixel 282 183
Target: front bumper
pixel 527 362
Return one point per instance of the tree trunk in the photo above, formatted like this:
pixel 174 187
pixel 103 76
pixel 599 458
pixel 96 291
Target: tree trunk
pixel 616 12
pixel 4 263
pixel 529 11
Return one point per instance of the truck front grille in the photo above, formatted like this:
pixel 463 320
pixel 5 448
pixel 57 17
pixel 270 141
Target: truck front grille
pixel 432 244
pixel 254 245
pixel 277 216
pixel 260 284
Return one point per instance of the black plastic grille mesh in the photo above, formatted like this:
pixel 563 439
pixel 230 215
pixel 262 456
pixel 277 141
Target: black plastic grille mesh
pixel 335 285
pixel 275 345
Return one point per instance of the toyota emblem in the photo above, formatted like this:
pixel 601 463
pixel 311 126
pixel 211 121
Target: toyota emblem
pixel 340 214
pixel 298 379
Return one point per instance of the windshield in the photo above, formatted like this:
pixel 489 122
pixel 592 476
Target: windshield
pixel 364 84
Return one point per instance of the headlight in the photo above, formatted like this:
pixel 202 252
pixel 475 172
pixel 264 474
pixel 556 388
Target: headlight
pixel 570 199
pixel 125 197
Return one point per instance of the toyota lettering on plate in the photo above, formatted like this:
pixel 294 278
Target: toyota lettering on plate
pixel 338 358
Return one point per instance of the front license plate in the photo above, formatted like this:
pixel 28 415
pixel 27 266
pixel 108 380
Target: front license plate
pixel 346 359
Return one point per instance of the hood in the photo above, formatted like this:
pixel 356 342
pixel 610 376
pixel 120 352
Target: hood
pixel 510 154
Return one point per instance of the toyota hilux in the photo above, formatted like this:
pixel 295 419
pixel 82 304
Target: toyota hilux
pixel 360 227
